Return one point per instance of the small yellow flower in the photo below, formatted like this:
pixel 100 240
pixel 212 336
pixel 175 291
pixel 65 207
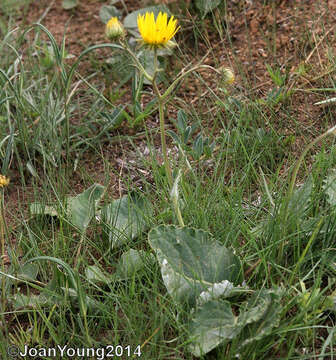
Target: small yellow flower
pixel 114 29
pixel 3 181
pixel 157 33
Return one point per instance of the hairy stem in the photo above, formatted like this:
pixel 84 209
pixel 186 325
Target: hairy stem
pixel 162 122
pixel 2 234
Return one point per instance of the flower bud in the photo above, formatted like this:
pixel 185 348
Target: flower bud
pixel 114 29
pixel 3 181
pixel 228 76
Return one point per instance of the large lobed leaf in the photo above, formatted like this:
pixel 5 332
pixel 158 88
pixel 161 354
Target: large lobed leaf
pixel 262 314
pixel 214 324
pixel 108 11
pixel 131 263
pixel 81 208
pixel 192 262
pixel 205 6
pixel 125 218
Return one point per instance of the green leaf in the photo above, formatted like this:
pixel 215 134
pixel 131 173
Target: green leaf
pixel 113 120
pixel 146 58
pixel 131 262
pixel 122 68
pixel 125 218
pixel 299 201
pixel 329 187
pixel 224 289
pixel 81 208
pixel 212 324
pixel 205 6
pixel 329 303
pixel 76 299
pixel 108 11
pixel 28 272
pixel 95 275
pixel 21 301
pixel 69 4
pixel 192 262
pixel 37 208
pixel 32 169
pixel 130 20
pixel 71 274
pixel 261 316
pixel 10 6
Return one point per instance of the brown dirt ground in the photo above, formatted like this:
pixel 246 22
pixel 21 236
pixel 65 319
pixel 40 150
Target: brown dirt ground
pixel 283 33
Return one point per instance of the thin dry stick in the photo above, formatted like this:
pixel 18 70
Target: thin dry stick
pixel 323 74
pixel 317 50
pixel 311 54
pixel 146 341
pixel 76 262
pixel 120 176
pixel 252 267
pixel 318 44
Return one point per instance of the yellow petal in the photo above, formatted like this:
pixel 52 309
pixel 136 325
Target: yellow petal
pixel 159 31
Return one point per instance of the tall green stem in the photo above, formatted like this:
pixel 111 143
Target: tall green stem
pixel 162 122
pixel 2 234
pixel 136 61
pixel 164 144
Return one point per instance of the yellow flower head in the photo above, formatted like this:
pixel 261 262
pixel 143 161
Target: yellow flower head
pixel 114 29
pixel 157 33
pixel 3 181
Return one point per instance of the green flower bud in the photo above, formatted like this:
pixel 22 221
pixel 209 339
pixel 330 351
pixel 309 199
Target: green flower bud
pixel 114 29
pixel 228 76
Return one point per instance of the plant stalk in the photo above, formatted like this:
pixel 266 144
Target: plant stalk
pixel 2 234
pixel 162 122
